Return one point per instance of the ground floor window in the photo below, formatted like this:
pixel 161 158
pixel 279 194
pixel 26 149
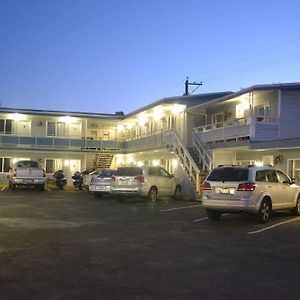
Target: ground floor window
pixel 50 165
pixel 294 169
pixel 5 164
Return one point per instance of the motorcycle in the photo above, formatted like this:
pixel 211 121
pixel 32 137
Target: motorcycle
pixel 78 180
pixel 60 179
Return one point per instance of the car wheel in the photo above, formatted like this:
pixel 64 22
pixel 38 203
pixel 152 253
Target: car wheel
pixel 296 210
pixel 177 193
pixel 153 194
pixel 213 215
pixel 265 210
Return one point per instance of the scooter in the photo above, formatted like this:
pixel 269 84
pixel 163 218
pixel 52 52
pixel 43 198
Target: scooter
pixel 60 179
pixel 78 180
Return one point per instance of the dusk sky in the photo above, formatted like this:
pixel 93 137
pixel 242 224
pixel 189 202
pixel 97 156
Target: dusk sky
pixel 107 56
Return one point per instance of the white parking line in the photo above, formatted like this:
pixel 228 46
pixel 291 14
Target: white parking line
pixel 182 207
pixel 275 225
pixel 3 188
pixel 202 219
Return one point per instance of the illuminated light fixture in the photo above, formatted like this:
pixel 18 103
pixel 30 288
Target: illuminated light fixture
pixel 143 119
pixel 130 125
pixel 140 163
pixel 177 109
pixel 18 117
pixel 67 119
pixel 129 159
pixel 158 113
pixel 174 163
pixel 156 162
pixel 120 128
pixel 259 163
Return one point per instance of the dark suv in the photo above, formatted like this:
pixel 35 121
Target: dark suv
pixel 257 190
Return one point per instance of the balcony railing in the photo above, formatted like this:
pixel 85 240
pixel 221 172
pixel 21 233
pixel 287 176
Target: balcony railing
pixel 252 127
pixel 59 143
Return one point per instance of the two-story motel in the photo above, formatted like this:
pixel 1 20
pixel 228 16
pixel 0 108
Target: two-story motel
pixel 188 135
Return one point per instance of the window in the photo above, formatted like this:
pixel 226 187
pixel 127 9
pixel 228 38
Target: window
pixel 6 126
pixel 228 174
pixel 5 164
pixel 50 165
pixel 262 112
pixel 164 173
pixel 294 169
pixel 271 175
pixel 282 177
pixel 261 176
pixel 61 129
pixel 51 129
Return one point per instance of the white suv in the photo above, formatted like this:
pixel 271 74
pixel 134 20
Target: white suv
pixel 257 190
pixel 151 182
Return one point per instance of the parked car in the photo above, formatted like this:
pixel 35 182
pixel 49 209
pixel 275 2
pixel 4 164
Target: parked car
pixel 26 173
pixel 151 182
pixel 252 189
pixel 101 183
pixel 87 177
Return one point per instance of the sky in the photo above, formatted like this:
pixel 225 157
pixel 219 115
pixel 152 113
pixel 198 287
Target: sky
pixel 120 55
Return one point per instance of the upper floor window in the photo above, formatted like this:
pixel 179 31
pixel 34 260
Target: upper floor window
pixel 6 126
pixel 262 112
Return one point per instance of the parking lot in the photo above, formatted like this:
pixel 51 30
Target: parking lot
pixel 69 245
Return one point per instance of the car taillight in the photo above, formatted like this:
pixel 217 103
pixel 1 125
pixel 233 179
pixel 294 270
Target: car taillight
pixel 246 187
pixel 140 179
pixel 113 179
pixel 206 186
pixel 15 173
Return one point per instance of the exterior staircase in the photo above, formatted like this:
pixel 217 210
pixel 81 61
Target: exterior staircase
pixel 190 160
pixel 103 160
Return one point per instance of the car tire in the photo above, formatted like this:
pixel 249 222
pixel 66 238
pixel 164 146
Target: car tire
pixel 296 209
pixel 265 211
pixel 213 215
pixel 177 193
pixel 153 194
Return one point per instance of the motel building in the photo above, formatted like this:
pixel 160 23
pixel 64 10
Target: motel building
pixel 188 135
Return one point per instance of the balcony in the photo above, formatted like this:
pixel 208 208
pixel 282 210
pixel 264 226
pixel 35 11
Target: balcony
pixel 255 128
pixel 59 143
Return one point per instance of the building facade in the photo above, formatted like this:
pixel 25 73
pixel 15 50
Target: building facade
pixel 188 135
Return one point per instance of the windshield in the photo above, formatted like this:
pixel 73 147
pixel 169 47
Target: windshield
pixel 228 174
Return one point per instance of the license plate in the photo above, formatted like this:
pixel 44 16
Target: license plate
pixel 100 188
pixel 220 190
pixel 124 181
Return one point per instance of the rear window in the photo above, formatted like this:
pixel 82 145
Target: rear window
pixel 28 164
pixel 129 171
pixel 228 174
pixel 106 173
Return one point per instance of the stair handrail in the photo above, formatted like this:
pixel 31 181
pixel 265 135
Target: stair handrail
pixel 185 158
pixel 203 153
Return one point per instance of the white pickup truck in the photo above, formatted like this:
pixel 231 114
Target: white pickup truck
pixel 27 173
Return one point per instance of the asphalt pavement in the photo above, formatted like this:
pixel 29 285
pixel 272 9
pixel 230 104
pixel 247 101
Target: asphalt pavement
pixel 70 245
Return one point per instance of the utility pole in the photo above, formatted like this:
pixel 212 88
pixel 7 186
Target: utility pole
pixel 187 83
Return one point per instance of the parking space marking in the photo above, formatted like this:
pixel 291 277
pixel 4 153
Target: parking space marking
pixel 273 226
pixel 182 207
pixel 199 220
pixel 3 188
